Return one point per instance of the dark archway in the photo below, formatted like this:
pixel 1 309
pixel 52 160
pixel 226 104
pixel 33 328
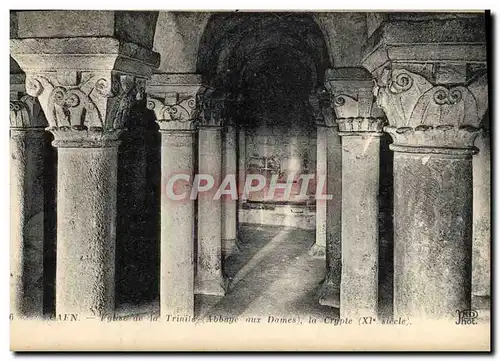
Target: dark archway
pixel 265 66
pixel 234 46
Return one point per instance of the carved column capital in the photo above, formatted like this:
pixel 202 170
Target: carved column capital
pixel 26 113
pixel 173 99
pixel 426 112
pixel 25 110
pixel 177 115
pixel 430 81
pixel 85 86
pixel 85 108
pixel 213 109
pixel 320 104
pixel 352 101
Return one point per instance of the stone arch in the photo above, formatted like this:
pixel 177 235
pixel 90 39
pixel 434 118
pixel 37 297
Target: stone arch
pixel 226 33
pixel 234 46
pixel 263 68
pixel 177 36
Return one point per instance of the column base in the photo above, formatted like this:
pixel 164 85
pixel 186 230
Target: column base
pixel 317 251
pixel 211 287
pixel 230 246
pixel 329 295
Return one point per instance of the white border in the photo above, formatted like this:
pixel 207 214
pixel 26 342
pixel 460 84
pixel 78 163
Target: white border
pixel 188 5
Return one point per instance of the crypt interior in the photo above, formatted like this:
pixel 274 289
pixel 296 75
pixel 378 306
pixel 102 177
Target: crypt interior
pixel 390 110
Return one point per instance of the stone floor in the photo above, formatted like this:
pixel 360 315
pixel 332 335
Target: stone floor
pixel 271 275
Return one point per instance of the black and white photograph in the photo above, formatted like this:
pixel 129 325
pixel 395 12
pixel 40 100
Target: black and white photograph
pixel 296 175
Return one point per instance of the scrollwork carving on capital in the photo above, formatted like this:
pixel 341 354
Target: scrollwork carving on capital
pixel 345 106
pixel 179 116
pixel 183 111
pixel 321 107
pixel 212 110
pixel 83 105
pixel 26 113
pixel 435 115
pixel 410 100
pixel 351 99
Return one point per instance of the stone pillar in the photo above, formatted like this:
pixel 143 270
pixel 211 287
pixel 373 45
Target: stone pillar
pixel 242 164
pixel 360 129
pixel 27 123
pixel 209 277
pixel 330 289
pixel 86 251
pixel 173 99
pixel 318 250
pixel 481 227
pixel 85 109
pixel 360 182
pixel 433 121
pixel 329 293
pixel 229 204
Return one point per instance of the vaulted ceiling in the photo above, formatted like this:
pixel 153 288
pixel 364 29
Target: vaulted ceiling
pixel 264 63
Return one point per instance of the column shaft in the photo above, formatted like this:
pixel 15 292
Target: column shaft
pixel 86 230
pixel 242 147
pixel 432 234
pixel 330 289
pixel 26 222
pixel 318 249
pixel 177 225
pixel 229 205
pixel 481 210
pixel 360 187
pixel 209 279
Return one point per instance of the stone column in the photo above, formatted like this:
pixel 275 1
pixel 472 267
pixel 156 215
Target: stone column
pixel 330 289
pixel 360 129
pixel 209 277
pixel 27 123
pixel 433 123
pixel 434 96
pixel 360 182
pixel 329 293
pixel 229 204
pixel 86 223
pixel 318 250
pixel 242 149
pixel 85 109
pixel 173 99
pixel 481 227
